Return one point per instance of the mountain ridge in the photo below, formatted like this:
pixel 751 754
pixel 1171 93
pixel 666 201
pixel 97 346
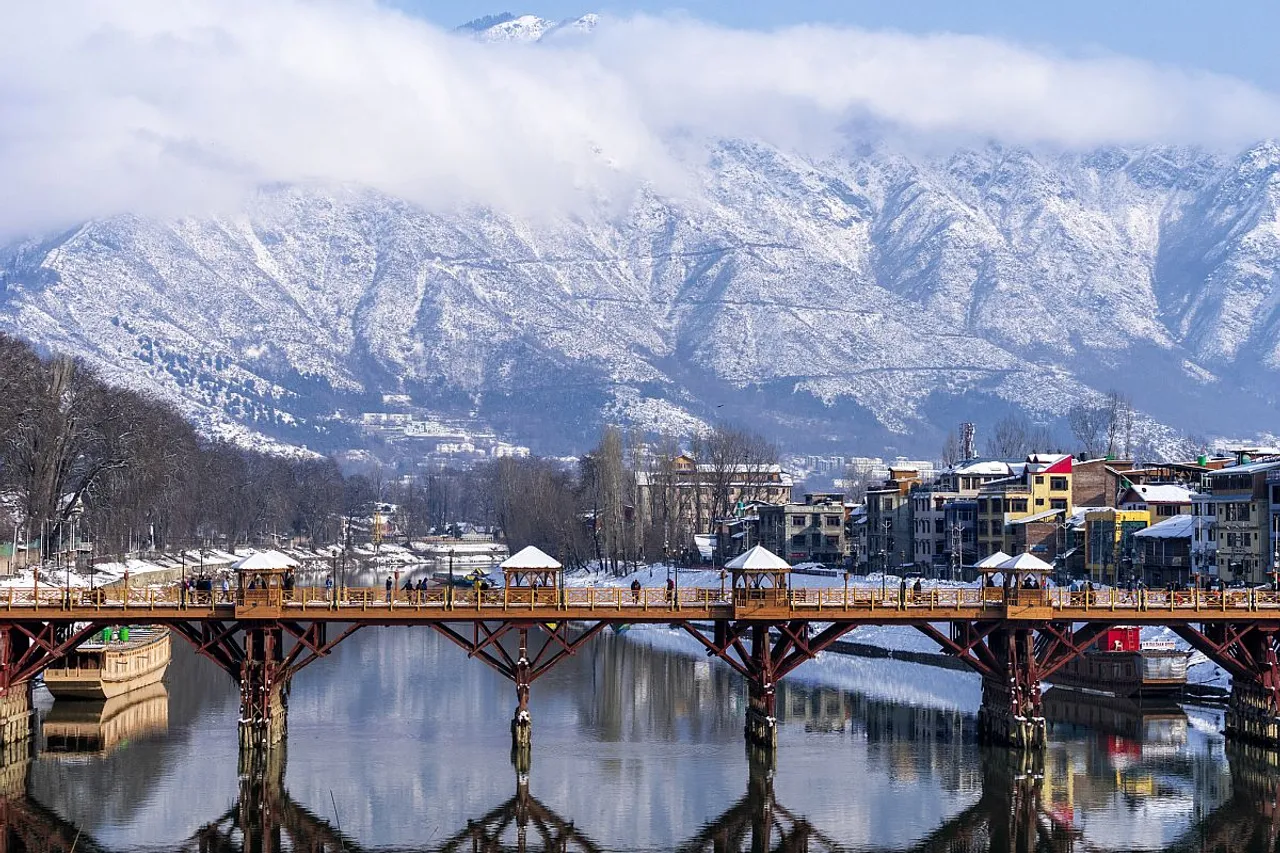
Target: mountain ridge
pixel 869 299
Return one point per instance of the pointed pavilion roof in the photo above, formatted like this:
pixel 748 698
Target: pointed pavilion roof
pixel 993 561
pixel 1026 562
pixel 531 559
pixel 264 561
pixel 758 559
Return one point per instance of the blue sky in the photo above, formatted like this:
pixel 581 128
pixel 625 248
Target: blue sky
pixel 1236 38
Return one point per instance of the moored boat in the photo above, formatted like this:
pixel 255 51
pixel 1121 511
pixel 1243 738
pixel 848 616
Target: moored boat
pixel 1120 664
pixel 113 663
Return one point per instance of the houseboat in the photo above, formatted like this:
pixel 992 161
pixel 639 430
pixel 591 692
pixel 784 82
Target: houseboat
pixel 1120 664
pixel 113 663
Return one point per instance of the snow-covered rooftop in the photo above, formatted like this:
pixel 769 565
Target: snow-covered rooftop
pixel 1164 493
pixel 1177 527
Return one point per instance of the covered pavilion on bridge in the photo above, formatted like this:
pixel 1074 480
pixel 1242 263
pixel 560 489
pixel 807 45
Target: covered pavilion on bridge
pixel 532 567
pixel 266 577
pixel 759 575
pixel 1025 570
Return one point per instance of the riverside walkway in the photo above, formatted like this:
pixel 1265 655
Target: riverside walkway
pixel 760 626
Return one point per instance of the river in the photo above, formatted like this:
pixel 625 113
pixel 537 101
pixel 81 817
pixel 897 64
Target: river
pixel 398 742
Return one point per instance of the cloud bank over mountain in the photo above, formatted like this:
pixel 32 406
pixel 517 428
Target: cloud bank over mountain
pixel 170 107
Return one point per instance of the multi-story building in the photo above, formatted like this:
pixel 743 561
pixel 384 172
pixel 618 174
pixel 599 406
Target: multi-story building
pixel 1111 551
pixel 1023 512
pixel 1273 506
pixel 1164 551
pixel 813 531
pixel 1097 482
pixel 1162 500
pixel 928 525
pixel 889 539
pixel 939 530
pixel 1238 502
pixel 1204 544
pixel 856 533
pixel 680 497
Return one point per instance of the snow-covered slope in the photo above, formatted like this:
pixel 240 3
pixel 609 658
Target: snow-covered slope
pixel 869 299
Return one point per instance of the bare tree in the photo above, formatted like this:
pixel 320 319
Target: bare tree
pixel 1119 417
pixel 1088 426
pixel 951 450
pixel 1015 436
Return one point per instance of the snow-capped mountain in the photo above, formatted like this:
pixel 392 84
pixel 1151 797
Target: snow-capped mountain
pixel 507 27
pixel 868 300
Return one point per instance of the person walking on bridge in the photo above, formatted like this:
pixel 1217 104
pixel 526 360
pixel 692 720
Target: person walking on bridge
pixel 390 584
pixel 635 590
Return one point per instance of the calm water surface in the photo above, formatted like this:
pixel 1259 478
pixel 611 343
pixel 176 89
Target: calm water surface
pixel 398 742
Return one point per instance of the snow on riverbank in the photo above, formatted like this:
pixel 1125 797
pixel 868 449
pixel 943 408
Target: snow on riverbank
pixel 898 681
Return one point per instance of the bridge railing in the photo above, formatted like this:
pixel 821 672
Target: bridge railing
pixel 515 599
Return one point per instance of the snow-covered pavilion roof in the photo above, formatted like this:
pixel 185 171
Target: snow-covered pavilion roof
pixel 992 561
pixel 1025 562
pixel 758 559
pixel 530 558
pixel 264 561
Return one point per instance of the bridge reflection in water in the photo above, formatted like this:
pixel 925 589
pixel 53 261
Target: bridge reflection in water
pixel 1014 812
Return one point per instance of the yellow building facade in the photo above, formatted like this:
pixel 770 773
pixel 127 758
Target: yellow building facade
pixel 1111 552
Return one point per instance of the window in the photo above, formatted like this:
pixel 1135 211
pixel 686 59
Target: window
pixel 1039 501
pixel 1040 479
pixel 887 504
pixel 996 506
pixel 982 528
pixel 1018 506
pixel 797 521
pixel 1058 503
pixel 833 521
pixel 982 506
pixel 1058 484
pixel 798 539
pixel 1166 509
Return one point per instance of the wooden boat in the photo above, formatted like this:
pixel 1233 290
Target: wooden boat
pixel 1120 664
pixel 97 727
pixel 466 580
pixel 102 668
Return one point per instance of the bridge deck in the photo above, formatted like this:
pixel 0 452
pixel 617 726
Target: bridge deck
pixel 608 604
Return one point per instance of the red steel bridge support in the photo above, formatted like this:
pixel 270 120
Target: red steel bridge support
pixel 26 648
pixel 260 658
pixel 762 653
pixel 1250 653
pixel 1012 662
pixel 484 640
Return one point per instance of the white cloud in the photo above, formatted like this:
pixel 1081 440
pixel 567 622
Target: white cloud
pixel 166 106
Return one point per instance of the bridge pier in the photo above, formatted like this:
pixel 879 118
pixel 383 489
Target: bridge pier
pixel 522 722
pixel 1012 662
pixel 264 687
pixel 1249 653
pixel 762 702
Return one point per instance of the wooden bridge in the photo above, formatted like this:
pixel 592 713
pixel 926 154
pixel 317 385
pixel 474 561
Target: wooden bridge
pixel 1014 638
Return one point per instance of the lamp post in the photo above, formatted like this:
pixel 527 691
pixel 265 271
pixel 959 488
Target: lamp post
pixel 957 551
pixel 887 524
